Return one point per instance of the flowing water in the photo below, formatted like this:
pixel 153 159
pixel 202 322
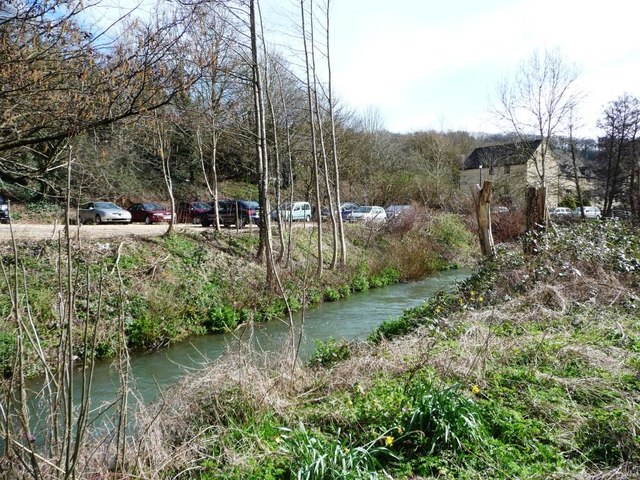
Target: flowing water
pixel 351 318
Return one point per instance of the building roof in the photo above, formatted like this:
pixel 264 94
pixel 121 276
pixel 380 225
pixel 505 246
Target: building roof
pixel 498 155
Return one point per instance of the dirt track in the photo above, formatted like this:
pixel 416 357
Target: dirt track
pixel 50 232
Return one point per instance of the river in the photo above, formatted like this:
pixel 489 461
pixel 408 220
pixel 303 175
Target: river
pixel 351 318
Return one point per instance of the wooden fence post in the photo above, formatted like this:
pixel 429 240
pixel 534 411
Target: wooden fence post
pixel 482 201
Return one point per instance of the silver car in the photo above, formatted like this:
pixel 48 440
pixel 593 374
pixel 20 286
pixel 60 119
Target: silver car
pixel 368 214
pixel 589 212
pixel 103 212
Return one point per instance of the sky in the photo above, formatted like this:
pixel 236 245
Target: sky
pixel 436 65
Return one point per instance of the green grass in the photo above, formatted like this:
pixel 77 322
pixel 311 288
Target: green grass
pixel 496 393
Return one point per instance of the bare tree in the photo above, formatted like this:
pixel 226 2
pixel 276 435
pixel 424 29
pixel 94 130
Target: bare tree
pixel 539 97
pixel 621 124
pixel 61 78
pixel 262 151
pixel 573 152
pixel 211 49
pixel 162 144
pixel 334 145
pixel 313 128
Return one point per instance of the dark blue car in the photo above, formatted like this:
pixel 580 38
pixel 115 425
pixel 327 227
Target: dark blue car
pixel 345 210
pixel 234 212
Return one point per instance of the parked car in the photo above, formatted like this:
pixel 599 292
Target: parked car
pixel 500 209
pixel 297 211
pixel 561 212
pixel 4 210
pixel 103 212
pixel 149 213
pixel 394 211
pixel 234 212
pixel 368 214
pixel 589 212
pixel 192 212
pixel 346 208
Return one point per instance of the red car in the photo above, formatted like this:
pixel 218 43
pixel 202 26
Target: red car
pixel 149 213
pixel 192 212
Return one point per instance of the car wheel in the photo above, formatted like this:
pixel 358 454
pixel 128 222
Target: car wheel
pixel 307 218
pixel 205 222
pixel 147 220
pixel 97 220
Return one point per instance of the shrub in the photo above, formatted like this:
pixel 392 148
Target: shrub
pixel 360 283
pixel 388 276
pixel 329 353
pixel 331 294
pixel 609 438
pixel 318 456
pixel 221 318
pixel 7 353
pixel 142 332
pixel 508 226
pixel 449 230
pixel 440 419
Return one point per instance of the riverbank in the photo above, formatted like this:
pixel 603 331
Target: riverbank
pixel 149 293
pixel 530 370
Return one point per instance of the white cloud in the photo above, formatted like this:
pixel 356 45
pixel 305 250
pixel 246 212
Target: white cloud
pixel 415 61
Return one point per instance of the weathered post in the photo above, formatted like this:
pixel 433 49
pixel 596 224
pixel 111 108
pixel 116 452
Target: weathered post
pixel 482 201
pixel 536 218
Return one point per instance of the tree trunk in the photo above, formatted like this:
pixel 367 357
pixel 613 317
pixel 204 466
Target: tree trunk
pixel 482 201
pixel 266 245
pixel 314 145
pixel 536 218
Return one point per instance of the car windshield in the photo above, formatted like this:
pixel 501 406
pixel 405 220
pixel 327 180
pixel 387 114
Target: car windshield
pixel 252 205
pixel 363 209
pixel 153 206
pixel 201 205
pixel 106 205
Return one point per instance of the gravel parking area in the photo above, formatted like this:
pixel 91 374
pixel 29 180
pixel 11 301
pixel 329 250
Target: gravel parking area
pixel 51 232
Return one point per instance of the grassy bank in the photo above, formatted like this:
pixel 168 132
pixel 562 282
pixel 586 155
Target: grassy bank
pixel 530 370
pixel 157 291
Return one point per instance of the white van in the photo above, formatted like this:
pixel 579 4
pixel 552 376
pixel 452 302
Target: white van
pixel 296 211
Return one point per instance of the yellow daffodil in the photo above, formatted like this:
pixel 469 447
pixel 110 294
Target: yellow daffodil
pixel 475 390
pixel 388 441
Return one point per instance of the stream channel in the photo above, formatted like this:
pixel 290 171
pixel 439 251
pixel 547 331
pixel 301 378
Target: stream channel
pixel 351 318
